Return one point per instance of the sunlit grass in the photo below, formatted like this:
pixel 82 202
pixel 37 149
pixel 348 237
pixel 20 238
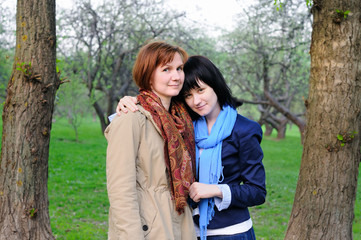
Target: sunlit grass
pixel 282 159
pixel 77 183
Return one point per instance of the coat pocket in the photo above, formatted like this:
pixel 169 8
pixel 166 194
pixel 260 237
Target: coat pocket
pixel 147 211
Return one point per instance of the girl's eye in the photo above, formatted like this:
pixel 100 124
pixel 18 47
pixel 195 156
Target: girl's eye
pixel 200 90
pixel 187 95
pixel 165 69
pixel 179 68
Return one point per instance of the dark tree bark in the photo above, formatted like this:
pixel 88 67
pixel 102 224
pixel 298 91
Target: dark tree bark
pixel 272 120
pixel 269 130
pixel 287 113
pixel 27 118
pixel 325 196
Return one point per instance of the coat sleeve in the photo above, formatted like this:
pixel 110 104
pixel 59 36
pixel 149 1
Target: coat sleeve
pixel 252 191
pixel 123 136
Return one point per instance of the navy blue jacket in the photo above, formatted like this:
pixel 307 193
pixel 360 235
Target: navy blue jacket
pixel 243 172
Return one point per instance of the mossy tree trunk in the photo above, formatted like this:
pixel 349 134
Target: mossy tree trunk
pixel 27 118
pixel 325 196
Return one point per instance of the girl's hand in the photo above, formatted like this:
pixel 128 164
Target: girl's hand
pixel 127 102
pixel 197 191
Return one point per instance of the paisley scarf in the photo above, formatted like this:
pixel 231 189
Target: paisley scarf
pixel 179 146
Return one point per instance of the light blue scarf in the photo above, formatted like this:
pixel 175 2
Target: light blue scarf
pixel 210 162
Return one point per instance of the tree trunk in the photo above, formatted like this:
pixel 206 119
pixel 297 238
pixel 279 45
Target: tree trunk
pixel 281 130
pixel 103 121
pixel 269 130
pixel 27 118
pixel 287 113
pixel 324 202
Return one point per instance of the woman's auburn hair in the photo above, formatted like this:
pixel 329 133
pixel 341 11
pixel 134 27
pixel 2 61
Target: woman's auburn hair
pixel 151 56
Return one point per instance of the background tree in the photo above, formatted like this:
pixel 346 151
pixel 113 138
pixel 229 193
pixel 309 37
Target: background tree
pixel 7 40
pixel 325 196
pixel 107 38
pixel 269 62
pixel 72 101
pixel 27 118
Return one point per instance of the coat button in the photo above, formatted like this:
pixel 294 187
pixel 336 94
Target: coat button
pixel 145 228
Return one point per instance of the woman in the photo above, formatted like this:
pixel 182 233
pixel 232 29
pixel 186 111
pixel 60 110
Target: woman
pixel 150 154
pixel 230 174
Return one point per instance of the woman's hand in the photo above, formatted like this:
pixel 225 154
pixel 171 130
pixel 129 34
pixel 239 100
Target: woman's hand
pixel 127 102
pixel 197 191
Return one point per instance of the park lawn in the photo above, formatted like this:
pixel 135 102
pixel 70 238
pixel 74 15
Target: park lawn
pixel 77 184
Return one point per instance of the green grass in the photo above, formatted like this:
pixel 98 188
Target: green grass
pixel 77 184
pixel 282 159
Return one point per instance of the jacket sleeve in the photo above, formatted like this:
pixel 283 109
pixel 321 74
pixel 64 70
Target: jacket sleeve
pixel 123 136
pixel 252 190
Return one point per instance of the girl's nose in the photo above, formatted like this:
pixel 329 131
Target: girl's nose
pixel 196 99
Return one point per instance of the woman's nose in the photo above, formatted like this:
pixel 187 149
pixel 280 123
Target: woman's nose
pixel 176 75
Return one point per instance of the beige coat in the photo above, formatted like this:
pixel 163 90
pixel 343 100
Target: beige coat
pixel 138 191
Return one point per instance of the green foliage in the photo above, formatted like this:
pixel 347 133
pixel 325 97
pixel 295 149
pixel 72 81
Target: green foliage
pixel 278 4
pixel 24 68
pixel 72 101
pixel 32 212
pixel 346 137
pixel 27 71
pixel 5 71
pixel 343 13
pixel 339 137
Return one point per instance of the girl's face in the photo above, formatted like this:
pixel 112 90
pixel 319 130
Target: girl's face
pixel 167 80
pixel 203 100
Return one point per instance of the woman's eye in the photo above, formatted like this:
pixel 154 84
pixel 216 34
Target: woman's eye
pixel 180 69
pixel 200 90
pixel 187 95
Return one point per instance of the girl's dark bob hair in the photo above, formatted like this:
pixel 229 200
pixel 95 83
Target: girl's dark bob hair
pixel 199 68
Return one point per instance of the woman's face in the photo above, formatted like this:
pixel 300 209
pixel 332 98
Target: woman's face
pixel 203 100
pixel 167 80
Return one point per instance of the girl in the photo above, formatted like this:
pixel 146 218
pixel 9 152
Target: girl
pixel 230 173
